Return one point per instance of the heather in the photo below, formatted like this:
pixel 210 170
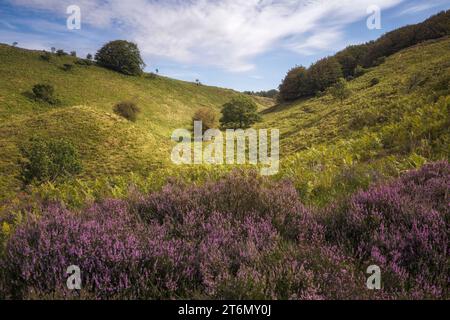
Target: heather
pixel 241 237
pixel 403 227
pixel 209 241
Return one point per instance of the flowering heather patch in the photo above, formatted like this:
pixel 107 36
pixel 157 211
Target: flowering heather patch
pixel 243 237
pixel 403 227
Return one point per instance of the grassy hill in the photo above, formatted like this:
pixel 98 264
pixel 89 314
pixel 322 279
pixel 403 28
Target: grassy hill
pixel 328 148
pixel 108 144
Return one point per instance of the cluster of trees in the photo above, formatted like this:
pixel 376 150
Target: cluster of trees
pixel 350 62
pixel 265 94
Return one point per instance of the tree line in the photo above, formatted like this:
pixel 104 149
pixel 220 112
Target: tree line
pixel 351 62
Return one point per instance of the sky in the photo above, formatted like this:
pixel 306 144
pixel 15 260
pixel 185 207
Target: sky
pixel 238 44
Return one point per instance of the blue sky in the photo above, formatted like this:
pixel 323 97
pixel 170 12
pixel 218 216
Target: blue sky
pixel 239 44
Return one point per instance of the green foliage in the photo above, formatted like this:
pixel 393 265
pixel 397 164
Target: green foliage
pixel 207 117
pixel 61 53
pixel 67 67
pixel 48 160
pixel 340 90
pixel 359 71
pixel 239 113
pixel 127 109
pixel 296 84
pixel 89 56
pixel 374 82
pixel 84 62
pixel 121 56
pixel 44 92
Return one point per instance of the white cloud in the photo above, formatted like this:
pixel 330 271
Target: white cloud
pixel 225 33
pixel 421 7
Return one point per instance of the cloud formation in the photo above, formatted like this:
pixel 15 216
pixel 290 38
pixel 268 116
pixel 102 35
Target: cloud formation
pixel 222 33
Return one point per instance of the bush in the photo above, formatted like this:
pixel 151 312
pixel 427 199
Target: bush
pixel 61 53
pixel 239 113
pixel 127 109
pixel 207 117
pixel 226 239
pixel 359 71
pixel 44 161
pixel 295 85
pixel 402 227
pixel 84 62
pixel 121 56
pixel 374 82
pixel 340 90
pixel 73 54
pixel 67 67
pixel 324 73
pixel 44 92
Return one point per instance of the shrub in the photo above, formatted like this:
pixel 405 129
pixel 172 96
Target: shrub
pixel 226 239
pixel 402 227
pixel 84 62
pixel 44 92
pixel 127 109
pixel 46 56
pixel 73 53
pixel 239 113
pixel 61 53
pixel 207 117
pixel 360 71
pixel 121 56
pixel 67 67
pixel 48 160
pixel 374 82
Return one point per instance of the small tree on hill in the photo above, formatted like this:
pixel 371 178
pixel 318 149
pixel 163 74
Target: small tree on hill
pixel 239 113
pixel 340 90
pixel 121 56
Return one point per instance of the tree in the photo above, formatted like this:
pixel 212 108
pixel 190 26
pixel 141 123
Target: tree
pixel 324 73
pixel 44 161
pixel 340 90
pixel 207 117
pixel 89 57
pixel 61 53
pixel 121 56
pixel 295 85
pixel 53 49
pixel 73 53
pixel 239 113
pixel 15 43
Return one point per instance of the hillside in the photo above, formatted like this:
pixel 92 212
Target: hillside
pixel 108 144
